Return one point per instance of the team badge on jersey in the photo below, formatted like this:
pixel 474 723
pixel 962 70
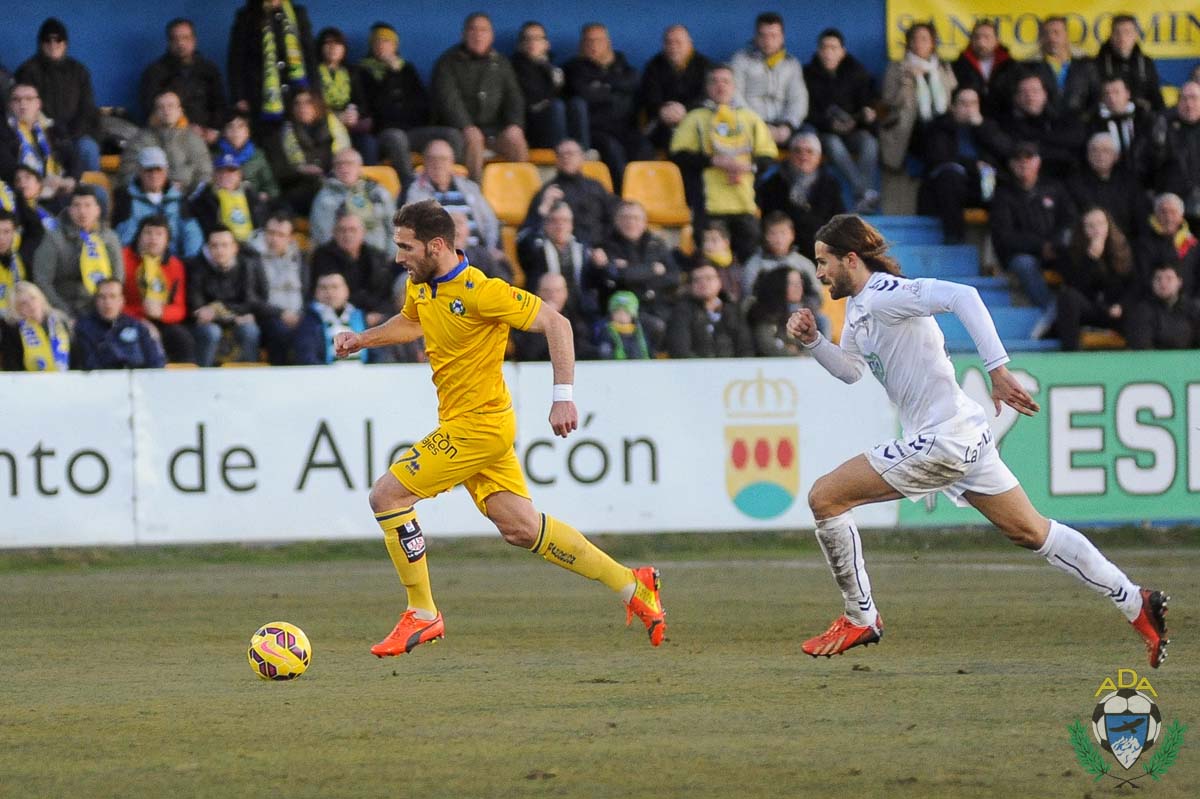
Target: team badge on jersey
pixel 457 308
pixel 762 464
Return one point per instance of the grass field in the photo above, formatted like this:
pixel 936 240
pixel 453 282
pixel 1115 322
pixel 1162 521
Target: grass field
pixel 125 675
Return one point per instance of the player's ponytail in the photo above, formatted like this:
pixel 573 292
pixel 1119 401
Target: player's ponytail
pixel 850 233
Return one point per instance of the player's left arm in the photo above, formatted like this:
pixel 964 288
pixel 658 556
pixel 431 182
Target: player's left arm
pixel 560 338
pixel 929 296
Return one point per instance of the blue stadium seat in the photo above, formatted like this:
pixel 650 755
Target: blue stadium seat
pixel 937 260
pixel 1013 325
pixel 908 229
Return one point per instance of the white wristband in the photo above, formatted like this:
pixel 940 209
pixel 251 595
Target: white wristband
pixel 564 392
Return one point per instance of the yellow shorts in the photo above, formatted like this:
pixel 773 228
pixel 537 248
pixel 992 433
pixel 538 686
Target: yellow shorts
pixel 475 449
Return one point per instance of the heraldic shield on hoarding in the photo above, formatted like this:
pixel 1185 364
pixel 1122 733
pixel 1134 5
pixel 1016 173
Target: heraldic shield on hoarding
pixel 762 463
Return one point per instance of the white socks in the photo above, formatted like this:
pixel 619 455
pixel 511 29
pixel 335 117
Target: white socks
pixel 1070 551
pixel 843 552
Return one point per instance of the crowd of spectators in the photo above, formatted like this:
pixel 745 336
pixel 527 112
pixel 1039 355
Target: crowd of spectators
pixel 240 225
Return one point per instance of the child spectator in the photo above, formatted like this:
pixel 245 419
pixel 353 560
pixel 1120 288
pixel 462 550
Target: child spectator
pixel 622 338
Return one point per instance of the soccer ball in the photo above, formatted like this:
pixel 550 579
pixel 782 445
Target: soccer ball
pixel 1125 701
pixel 279 651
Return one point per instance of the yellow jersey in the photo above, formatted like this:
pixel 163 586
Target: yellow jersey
pixel 465 316
pixel 725 130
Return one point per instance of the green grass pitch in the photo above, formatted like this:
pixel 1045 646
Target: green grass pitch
pixel 125 674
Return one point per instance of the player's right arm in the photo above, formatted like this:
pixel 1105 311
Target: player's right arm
pixel 397 330
pixel 844 363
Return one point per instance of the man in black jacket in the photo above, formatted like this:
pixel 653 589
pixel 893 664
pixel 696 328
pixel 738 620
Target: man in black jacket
pixel 1167 319
pixel 226 290
pixel 1122 56
pixel 841 100
pixel 608 84
pixel 1105 183
pixel 803 189
pixel 1130 125
pixel 640 262
pixel 1059 139
pixel 963 151
pixel 365 268
pixel 591 204
pixel 108 338
pixel 672 85
pixel 1177 152
pixel 1071 80
pixel 1031 218
pixel 65 86
pixel 707 324
pixel 196 80
pixel 294 68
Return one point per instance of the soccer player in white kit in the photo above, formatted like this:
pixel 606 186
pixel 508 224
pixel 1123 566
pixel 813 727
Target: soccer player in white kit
pixel 947 444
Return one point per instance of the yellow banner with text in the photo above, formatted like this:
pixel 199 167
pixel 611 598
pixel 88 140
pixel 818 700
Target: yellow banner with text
pixel 1169 29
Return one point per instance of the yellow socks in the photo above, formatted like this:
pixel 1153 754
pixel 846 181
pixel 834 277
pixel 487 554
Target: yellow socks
pixel 563 545
pixel 406 546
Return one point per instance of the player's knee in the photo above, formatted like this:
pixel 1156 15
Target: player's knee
pixel 388 494
pixel 822 499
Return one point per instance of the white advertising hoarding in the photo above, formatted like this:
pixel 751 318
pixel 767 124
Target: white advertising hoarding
pixel 287 454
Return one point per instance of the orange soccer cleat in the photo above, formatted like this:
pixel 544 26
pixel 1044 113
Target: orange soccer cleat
pixel 646 604
pixel 844 634
pixel 1151 622
pixel 408 633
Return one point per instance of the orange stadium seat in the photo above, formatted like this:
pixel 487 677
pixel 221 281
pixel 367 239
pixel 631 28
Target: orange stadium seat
pixel 598 171
pixel 658 186
pixel 509 187
pixel 836 311
pixel 385 176
pixel 541 156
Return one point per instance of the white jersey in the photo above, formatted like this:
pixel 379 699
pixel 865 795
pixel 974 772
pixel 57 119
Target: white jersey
pixel 889 329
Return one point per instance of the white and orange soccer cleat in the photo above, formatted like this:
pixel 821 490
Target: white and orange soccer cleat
pixel 844 634
pixel 408 633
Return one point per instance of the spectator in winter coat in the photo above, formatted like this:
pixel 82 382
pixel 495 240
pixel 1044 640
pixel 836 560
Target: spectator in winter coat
pixel 770 81
pixel 226 291
pixel 108 338
pixel 1059 139
pixel 803 189
pixel 149 194
pixel 330 313
pixel 1130 125
pixel 916 91
pixel 476 92
pixel 1122 56
pixel 1071 79
pixel 192 77
pixel 228 201
pixel 65 86
pixel 841 105
pixel 1099 278
pixel 35 337
pixel 778 293
pixel 1168 319
pixel 1170 240
pixel 398 105
pixel 287 280
pixel 189 163
pixel 1177 151
pixel 271 57
pixel 640 262
pixel 348 189
pixel 550 247
pixel 707 323
pixel 672 84
pixel 454 193
pixel 31 139
pixel 1107 184
pixel 552 288
pixel 603 79
pixel 988 68
pixel 72 260
pixel 302 151
pixel 255 168
pixel 367 270
pixel 550 117
pixel 779 238
pixel 156 288
pixel 592 205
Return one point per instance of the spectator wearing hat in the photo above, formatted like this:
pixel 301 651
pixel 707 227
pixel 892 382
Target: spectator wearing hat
pixel 194 79
pixel 1031 218
pixel 347 189
pixel 65 86
pixel 228 201
pixel 156 288
pixel 149 194
pixel 188 161
pixel 271 57
pixel 40 202
pixel 72 260
pixel 398 104
pixel 29 138
pixel 622 337
pixel 256 169
pixel 476 92
pixel 108 338
pixel 341 86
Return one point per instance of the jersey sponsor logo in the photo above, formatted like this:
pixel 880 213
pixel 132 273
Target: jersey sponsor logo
pixel 410 461
pixel 972 453
pixel 565 557
pixel 440 444
pixel 457 308
pixel 876 366
pixel 762 457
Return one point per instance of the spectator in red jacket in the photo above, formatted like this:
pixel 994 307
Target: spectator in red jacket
pixel 155 287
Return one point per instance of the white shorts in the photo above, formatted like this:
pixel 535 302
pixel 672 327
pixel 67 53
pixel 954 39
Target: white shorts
pixel 945 459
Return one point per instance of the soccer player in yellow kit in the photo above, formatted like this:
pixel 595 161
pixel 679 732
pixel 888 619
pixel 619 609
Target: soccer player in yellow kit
pixel 465 317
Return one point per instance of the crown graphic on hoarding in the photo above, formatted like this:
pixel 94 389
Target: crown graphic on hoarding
pixel 761 398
